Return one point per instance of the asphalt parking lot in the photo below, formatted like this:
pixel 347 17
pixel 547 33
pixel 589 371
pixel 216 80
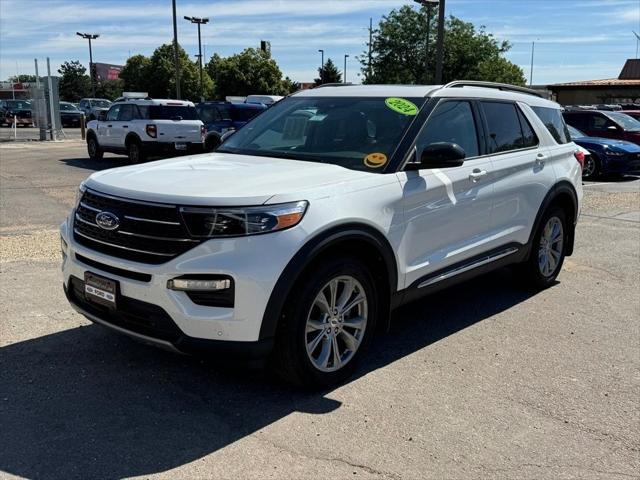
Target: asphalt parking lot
pixel 483 380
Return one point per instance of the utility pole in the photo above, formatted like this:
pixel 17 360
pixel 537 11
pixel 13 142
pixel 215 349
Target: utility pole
pixel 176 59
pixel 533 49
pixel 199 21
pixel 344 79
pixel 321 66
pixel 427 4
pixel 370 42
pixel 440 42
pixel 90 36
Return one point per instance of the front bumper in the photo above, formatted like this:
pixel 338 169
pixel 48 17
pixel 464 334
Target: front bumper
pixel 172 319
pixel 628 164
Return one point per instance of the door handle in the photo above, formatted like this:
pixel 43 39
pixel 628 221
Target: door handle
pixel 477 174
pixel 125 126
pixel 541 159
pixel 109 126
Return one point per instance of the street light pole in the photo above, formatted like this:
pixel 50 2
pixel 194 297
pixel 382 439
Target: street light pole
pixel 90 36
pixel 321 66
pixel 199 21
pixel 176 60
pixel 440 42
pixel 427 4
pixel 345 67
pixel 533 49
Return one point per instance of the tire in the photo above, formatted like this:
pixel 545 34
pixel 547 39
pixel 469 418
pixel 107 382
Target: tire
pixel 307 336
pixel 592 168
pixel 547 250
pixel 211 143
pixel 93 148
pixel 134 152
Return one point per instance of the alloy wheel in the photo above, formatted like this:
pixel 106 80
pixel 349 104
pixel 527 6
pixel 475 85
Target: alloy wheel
pixel 551 247
pixel 336 323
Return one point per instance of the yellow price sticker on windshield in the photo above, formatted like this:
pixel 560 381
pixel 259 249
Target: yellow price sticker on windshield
pixel 401 105
pixel 375 160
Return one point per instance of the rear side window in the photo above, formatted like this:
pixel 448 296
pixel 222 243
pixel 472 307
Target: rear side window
pixel 451 121
pixel 244 114
pixel 552 119
pixel 508 129
pixel 169 112
pixel 126 113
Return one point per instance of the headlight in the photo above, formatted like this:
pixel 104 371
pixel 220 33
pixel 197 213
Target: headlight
pixel 233 222
pixel 614 153
pixel 79 193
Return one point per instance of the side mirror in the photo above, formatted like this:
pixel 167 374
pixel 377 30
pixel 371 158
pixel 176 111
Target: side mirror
pixel 440 155
pixel 612 128
pixel 102 116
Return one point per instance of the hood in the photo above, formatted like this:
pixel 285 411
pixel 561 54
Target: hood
pixel 602 142
pixel 221 179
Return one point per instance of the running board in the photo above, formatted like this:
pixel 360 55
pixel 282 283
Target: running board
pixel 470 266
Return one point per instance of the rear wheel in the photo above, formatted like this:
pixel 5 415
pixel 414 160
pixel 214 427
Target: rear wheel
pixel 94 150
pixel 326 324
pixel 211 143
pixel 547 250
pixel 591 167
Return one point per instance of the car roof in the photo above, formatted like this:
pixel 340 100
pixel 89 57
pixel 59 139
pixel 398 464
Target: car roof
pixel 154 101
pixel 413 91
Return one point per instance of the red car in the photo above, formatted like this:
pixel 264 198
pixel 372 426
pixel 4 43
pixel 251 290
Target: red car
pixel 18 111
pixel 633 113
pixel 605 124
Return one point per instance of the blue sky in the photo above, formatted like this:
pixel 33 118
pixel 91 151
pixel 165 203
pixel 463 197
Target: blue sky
pixel 575 39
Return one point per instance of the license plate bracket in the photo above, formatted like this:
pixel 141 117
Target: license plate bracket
pixel 180 145
pixel 100 290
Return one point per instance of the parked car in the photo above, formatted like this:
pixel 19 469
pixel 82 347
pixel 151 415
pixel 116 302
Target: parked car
pixel 300 234
pixel 70 116
pixel 16 111
pixel 632 113
pixel 267 100
pixel 221 117
pixel 607 156
pixel 143 127
pixel 595 123
pixel 91 107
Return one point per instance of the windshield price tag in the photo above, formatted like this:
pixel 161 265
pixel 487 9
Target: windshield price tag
pixel 400 105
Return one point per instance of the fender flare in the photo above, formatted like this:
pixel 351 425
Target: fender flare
pixel 130 136
pixel 561 188
pixel 309 252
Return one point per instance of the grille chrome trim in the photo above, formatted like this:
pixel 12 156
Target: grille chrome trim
pixel 78 217
pixel 138 219
pixel 88 207
pixel 130 200
pixel 151 237
pixel 75 230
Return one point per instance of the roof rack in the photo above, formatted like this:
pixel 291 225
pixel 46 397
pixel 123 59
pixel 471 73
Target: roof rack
pixel 335 85
pixel 498 86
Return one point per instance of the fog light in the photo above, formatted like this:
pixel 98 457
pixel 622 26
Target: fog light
pixel 184 284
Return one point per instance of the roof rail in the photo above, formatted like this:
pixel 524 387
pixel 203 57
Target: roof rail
pixel 498 86
pixel 334 85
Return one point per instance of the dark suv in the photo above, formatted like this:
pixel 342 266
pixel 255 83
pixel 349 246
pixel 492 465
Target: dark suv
pixel 221 117
pixel 595 123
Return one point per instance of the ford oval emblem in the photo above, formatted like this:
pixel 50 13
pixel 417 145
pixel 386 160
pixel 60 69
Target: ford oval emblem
pixel 107 220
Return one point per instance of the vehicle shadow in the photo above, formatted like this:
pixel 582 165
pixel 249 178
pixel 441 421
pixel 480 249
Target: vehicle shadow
pixel 88 164
pixel 87 403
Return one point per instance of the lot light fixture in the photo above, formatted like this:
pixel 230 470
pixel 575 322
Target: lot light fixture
pixel 199 21
pixel 344 78
pixel 428 4
pixel 321 66
pixel 90 36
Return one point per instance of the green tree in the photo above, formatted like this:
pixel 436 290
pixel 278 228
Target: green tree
pixel 135 74
pixel 23 78
pixel 329 73
pixel 399 52
pixel 74 81
pixel 110 89
pixel 289 86
pixel 251 72
pixel 160 75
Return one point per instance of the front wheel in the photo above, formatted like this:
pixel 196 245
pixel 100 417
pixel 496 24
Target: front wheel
pixel 547 250
pixel 326 324
pixel 93 149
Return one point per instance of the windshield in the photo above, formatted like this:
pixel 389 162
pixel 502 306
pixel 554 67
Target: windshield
pixel 19 104
pixel 100 103
pixel 625 121
pixel 67 107
pixel 575 133
pixel 355 133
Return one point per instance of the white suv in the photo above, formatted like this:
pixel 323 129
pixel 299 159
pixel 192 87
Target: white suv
pixel 139 126
pixel 300 234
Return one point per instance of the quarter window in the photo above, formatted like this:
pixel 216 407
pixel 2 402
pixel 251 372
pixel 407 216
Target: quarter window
pixel 505 129
pixel 451 121
pixel 552 119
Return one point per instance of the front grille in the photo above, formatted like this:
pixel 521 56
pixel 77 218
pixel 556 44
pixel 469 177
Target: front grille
pixel 147 233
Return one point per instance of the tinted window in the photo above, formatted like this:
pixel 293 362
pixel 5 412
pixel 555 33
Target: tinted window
pixel 552 119
pixel 244 114
pixel 126 113
pixel 529 137
pixel 505 132
pixel 172 112
pixel 67 107
pixel 112 114
pixel 577 120
pixel 451 122
pixel 597 121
